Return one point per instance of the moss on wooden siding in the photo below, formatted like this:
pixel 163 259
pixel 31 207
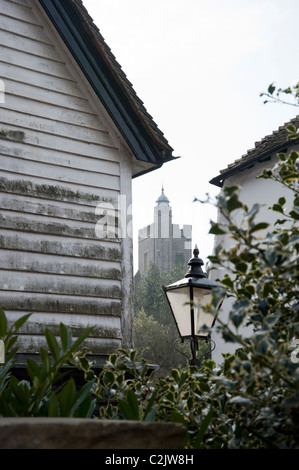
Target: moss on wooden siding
pixel 65 247
pixel 16 136
pixel 55 304
pixel 55 192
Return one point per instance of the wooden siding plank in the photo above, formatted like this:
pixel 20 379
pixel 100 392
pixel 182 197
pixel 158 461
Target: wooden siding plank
pixel 44 110
pixel 26 165
pixel 17 10
pixel 57 129
pixel 23 74
pixel 64 246
pixel 43 188
pixel 105 327
pixel 49 209
pixel 29 46
pixel 35 146
pixel 18 26
pixel 28 302
pixel 58 213
pixel 55 264
pixel 83 154
pixel 55 284
pixel 24 3
pixel 40 93
pixel 94 346
pixel 39 64
pixel 38 224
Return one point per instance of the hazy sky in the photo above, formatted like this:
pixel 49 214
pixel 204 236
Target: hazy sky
pixel 199 67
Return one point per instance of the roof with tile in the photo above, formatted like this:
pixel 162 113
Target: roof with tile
pixel 263 151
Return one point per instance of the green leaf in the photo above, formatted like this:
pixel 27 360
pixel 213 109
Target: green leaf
pixel 203 428
pixel 130 407
pixel 284 238
pixel 241 267
pixel 66 398
pixel 216 230
pixel 53 408
pixel 80 340
pixel 291 128
pixel 234 203
pixel 33 370
pixel 175 375
pixel 277 208
pixel 263 306
pixel 108 378
pixel 46 363
pixel 238 317
pixel 150 410
pixel 282 157
pixel 253 212
pixel 177 417
pixel 133 355
pixel 289 175
pixel 20 322
pixel 259 226
pixel 282 201
pixel 66 337
pixel 271 89
pixel 230 190
pixel 250 290
pixel 227 281
pixel 53 344
pixel 293 157
pixel 3 324
pixel 21 391
pixel 266 174
pixel 133 403
pixel 263 347
pixel 294 214
pixel 81 396
pixel 204 386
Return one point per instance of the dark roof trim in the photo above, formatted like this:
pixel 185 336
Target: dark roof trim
pixel 263 151
pixel 65 19
pixel 219 180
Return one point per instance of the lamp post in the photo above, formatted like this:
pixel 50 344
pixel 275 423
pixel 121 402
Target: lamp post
pixel 186 299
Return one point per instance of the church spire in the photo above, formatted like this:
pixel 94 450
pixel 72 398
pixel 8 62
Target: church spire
pixel 162 197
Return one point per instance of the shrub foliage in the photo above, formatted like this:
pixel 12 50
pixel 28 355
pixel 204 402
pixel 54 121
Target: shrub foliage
pixel 251 400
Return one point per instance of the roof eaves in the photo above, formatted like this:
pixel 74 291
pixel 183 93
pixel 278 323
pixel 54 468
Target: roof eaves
pixel 264 150
pixel 246 164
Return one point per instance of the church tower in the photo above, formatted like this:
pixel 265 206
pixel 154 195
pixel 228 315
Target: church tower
pixel 163 243
pixel 162 217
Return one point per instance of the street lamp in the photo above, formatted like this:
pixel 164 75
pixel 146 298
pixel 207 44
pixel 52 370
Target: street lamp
pixel 186 299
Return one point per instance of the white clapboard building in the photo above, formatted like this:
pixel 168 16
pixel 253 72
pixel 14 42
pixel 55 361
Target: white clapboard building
pixel 73 134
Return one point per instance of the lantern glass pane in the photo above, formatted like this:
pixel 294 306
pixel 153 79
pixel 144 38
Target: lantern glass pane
pixel 179 300
pixel 202 297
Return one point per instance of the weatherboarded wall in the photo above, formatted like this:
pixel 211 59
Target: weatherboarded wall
pixel 60 159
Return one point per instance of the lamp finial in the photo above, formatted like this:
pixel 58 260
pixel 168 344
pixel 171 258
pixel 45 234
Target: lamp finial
pixel 196 251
